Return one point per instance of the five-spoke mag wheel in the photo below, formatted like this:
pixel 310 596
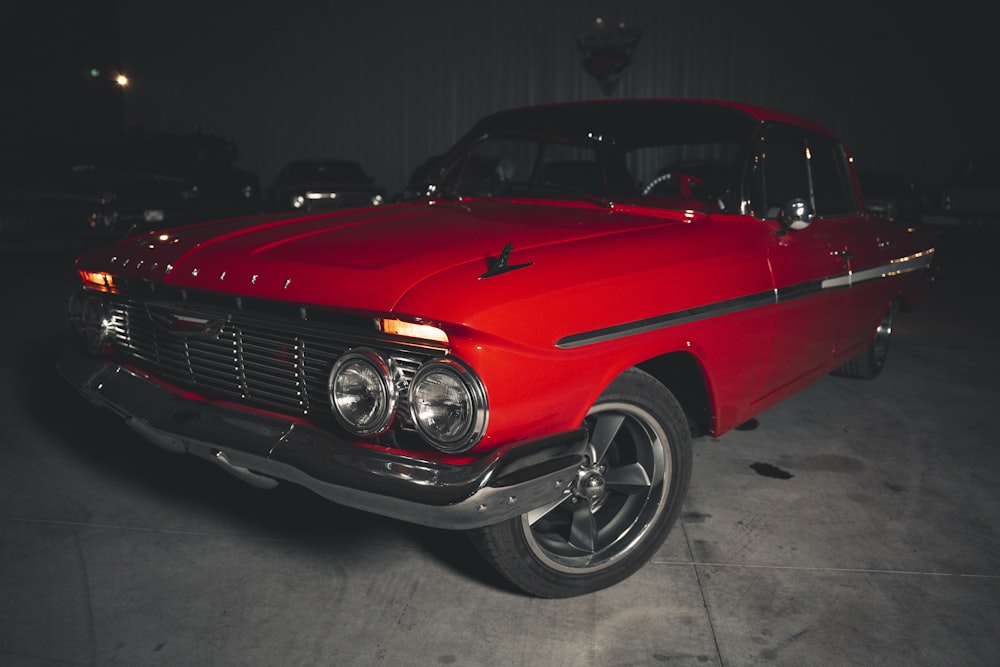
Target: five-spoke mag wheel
pixel 619 509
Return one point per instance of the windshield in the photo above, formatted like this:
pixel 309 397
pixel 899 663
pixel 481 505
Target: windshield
pixel 662 156
pixel 694 176
pixel 525 167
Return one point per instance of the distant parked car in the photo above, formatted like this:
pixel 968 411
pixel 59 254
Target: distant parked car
pixel 43 221
pixel 418 179
pixel 973 193
pixel 525 351
pixel 207 162
pixel 892 197
pixel 38 217
pixel 147 181
pixel 309 185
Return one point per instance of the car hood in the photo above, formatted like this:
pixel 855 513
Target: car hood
pixel 428 259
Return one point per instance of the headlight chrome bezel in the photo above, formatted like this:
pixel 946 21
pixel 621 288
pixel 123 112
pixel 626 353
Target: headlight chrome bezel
pixel 380 384
pixel 472 424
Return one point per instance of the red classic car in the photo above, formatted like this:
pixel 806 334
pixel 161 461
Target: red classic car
pixel 523 351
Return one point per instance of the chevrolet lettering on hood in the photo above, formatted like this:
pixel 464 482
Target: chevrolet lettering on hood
pixel 526 348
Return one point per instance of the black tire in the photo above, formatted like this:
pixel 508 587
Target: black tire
pixel 869 363
pixel 621 507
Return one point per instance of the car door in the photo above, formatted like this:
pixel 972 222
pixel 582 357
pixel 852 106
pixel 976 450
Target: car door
pixel 806 263
pixel 867 295
pixel 864 250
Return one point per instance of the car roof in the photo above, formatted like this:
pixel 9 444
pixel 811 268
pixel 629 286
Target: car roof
pixel 635 122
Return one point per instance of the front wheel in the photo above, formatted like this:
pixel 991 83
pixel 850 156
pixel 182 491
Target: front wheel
pixel 619 509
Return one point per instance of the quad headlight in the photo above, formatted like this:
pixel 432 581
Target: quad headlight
pixel 362 393
pixel 447 402
pixel 448 405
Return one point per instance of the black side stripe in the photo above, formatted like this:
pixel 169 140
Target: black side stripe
pixel 895 267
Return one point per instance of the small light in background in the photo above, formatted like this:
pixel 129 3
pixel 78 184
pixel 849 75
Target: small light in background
pixel 121 80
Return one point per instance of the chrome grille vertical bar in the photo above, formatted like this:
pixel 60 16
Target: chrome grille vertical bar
pixel 187 361
pixel 300 374
pixel 241 371
pixel 155 337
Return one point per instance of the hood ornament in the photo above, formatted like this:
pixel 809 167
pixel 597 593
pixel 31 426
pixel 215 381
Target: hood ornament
pixel 501 264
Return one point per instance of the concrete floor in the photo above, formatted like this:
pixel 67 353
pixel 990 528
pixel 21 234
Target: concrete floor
pixel 881 548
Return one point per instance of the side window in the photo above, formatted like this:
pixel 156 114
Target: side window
pixel 793 163
pixel 832 192
pixel 780 171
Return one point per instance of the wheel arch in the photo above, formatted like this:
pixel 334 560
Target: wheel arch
pixel 683 374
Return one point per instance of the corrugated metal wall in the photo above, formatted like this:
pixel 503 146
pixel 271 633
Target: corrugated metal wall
pixel 390 83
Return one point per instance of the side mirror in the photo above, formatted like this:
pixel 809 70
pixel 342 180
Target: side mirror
pixel 796 215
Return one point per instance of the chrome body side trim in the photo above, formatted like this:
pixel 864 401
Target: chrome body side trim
pixel 915 262
pixel 742 303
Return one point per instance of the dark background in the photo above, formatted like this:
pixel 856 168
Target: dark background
pixel 391 83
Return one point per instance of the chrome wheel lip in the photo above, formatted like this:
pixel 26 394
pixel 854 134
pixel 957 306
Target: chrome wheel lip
pixel 625 518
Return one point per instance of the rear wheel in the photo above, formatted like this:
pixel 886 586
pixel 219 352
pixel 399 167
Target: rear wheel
pixel 621 506
pixel 869 363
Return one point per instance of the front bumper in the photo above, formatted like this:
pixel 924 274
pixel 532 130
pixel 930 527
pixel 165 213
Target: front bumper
pixel 262 449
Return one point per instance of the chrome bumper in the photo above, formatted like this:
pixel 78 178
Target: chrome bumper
pixel 262 449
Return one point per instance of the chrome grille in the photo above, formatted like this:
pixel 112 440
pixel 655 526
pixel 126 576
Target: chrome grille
pixel 274 363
